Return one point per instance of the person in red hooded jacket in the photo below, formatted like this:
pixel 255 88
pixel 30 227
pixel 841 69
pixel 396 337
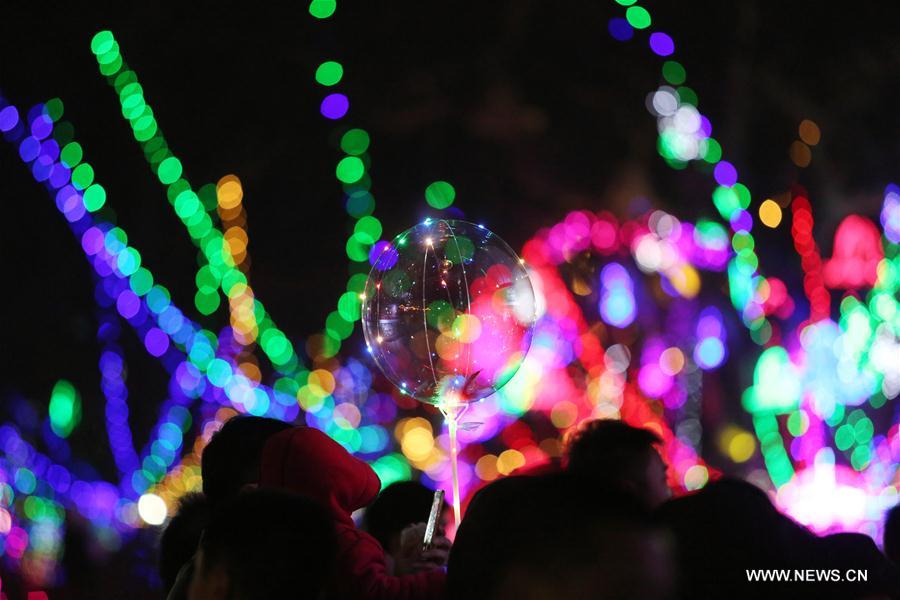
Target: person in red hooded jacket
pixel 306 461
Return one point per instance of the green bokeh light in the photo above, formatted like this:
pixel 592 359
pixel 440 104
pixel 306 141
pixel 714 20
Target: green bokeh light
pixel 350 169
pixel 673 72
pixel 54 109
pixel 65 408
pixel 322 9
pixel 459 249
pixel 329 73
pixel 357 283
pixel 355 142
pixel 392 468
pixel 713 151
pixel 367 230
pixel 102 42
pixel 356 251
pixel 169 170
pixel 141 281
pixel 82 176
pixel 440 195
pixel 94 197
pixel 349 306
pixel 638 17
pixel 71 154
pixel 338 326
pixel 687 96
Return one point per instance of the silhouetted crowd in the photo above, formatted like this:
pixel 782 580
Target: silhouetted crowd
pixel 280 505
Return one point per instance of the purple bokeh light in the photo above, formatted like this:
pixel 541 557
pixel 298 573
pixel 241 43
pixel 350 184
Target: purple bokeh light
pixel 335 106
pixel 661 44
pixel 725 174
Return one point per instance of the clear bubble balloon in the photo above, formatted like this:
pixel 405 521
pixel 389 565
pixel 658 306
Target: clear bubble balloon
pixel 448 312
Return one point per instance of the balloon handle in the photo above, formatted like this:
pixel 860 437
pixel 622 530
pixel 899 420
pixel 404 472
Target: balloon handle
pixel 452 413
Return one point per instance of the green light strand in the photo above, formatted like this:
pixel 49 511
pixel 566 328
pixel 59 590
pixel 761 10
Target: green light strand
pixel 185 201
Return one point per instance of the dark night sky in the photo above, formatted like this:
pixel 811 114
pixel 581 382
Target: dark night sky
pixel 528 107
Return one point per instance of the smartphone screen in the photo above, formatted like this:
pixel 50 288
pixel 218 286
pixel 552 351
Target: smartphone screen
pixel 437 503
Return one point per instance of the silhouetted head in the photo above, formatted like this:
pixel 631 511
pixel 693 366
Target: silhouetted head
pixel 725 529
pixel 231 458
pixel 181 536
pixel 398 505
pixel 265 544
pixel 557 536
pixel 892 535
pixel 620 457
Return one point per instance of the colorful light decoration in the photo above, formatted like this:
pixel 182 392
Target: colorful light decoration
pixel 853 371
pixel 819 383
pixel 857 253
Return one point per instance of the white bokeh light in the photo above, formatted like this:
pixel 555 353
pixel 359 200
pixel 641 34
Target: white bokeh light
pixel 152 509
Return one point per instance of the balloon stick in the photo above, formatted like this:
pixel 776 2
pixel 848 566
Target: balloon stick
pixel 452 412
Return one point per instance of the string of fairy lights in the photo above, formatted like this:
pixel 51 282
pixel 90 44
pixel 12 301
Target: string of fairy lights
pixel 194 213
pixel 686 135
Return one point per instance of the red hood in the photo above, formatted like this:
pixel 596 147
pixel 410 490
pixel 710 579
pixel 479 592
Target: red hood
pixel 306 461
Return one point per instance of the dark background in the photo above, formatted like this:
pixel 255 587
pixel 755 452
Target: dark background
pixel 528 107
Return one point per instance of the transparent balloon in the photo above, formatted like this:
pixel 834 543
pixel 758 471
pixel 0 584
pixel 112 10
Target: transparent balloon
pixel 448 312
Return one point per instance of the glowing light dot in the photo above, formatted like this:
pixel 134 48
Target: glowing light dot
pixel 152 509
pixel 321 382
pixel 467 328
pixel 696 477
pixel 355 142
pixel 725 174
pixel 5 522
pixel 9 116
pixel 620 29
pixel 229 192
pixel 65 408
pixel 770 213
pixel 709 353
pixel 564 414
pixel 169 170
pixel 350 169
pixel 440 195
pixel 417 444
pixel 617 307
pixel 661 44
pixel 334 106
pixel 329 73
pixel 638 17
pixel 102 42
pixel 509 461
pixel 741 447
pixel 809 132
pixel 486 467
pixel 94 197
pixel 322 9
pixel 800 154
pixel 671 361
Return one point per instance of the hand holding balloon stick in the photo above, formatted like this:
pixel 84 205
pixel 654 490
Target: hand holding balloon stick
pixel 448 313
